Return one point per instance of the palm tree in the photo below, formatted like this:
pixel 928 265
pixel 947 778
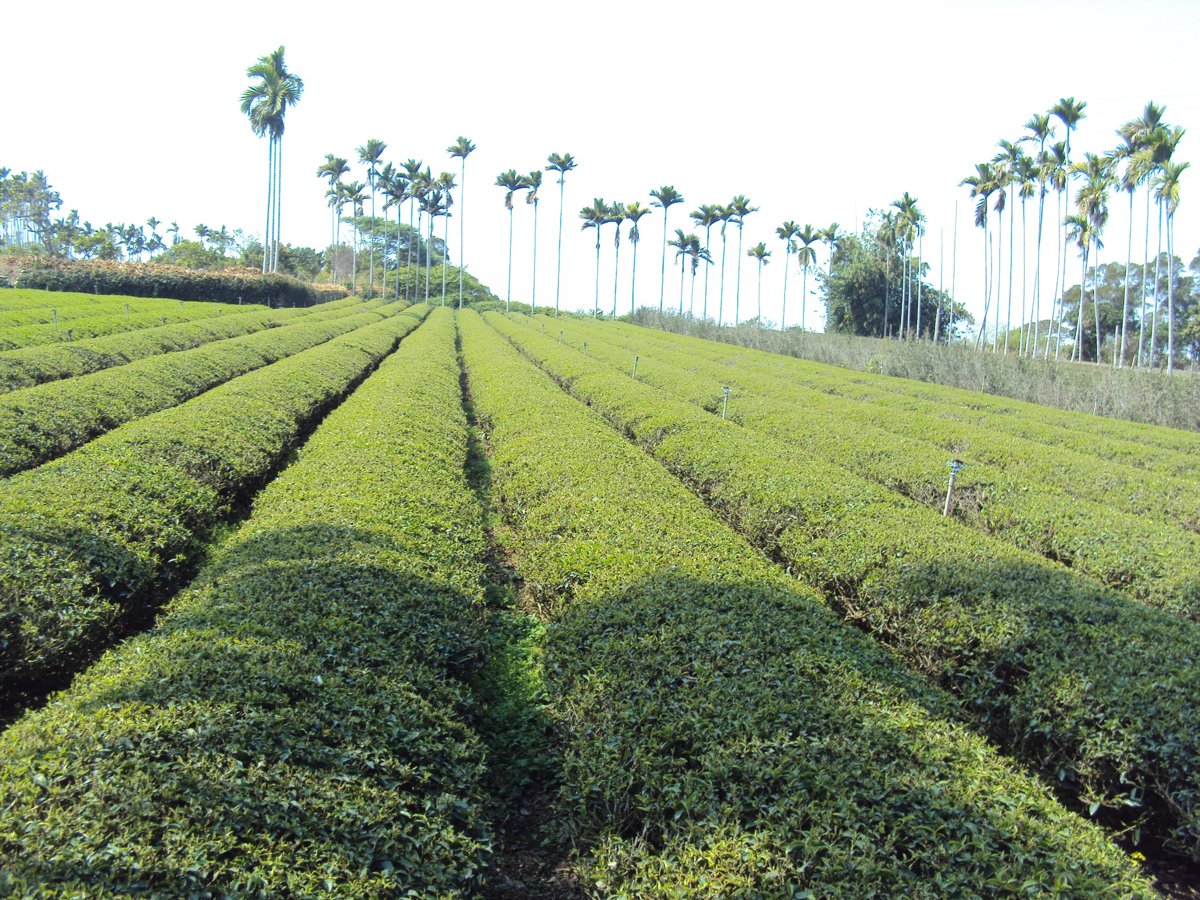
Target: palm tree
pixel 682 244
pixel 595 216
pixel 831 236
pixel 1008 161
pixel 1140 134
pixel 1167 192
pixel 615 215
pixel 511 182
pixel 395 187
pixel 1092 201
pixel 1057 176
pixel 787 233
pixel 356 197
pixel 1070 113
pixel 533 183
pixel 1080 229
pixel 982 184
pixel 634 213
pixel 759 253
pixel 266 102
pixel 461 149
pixel 445 184
pixel 1162 143
pixel 707 216
pixel 385 183
pixel 724 215
pixel 664 197
pixel 333 169
pixel 806 255
pixel 741 208
pixel 696 254
pixel 368 155
pixel 432 205
pixel 1039 130
pixel 562 164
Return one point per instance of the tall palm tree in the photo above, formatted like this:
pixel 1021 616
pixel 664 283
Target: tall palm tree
pixel 759 254
pixel 806 255
pixel 333 169
pixel 266 103
pixel 682 244
pixel 356 196
pixel 1070 112
pixel 415 188
pixel 460 150
pixel 707 216
pixel 1140 133
pixel 787 233
pixel 741 208
pixel 724 215
pixel 1168 193
pixel 1161 146
pixel 831 236
pixel 664 198
pixel 394 185
pixel 1008 161
pixel 696 255
pixel 634 213
pixel 511 182
pixel 1057 177
pixel 533 183
pixel 385 183
pixel 1040 130
pixel 368 155
pixel 1092 202
pixel 595 216
pixel 982 184
pixel 562 163
pixel 1130 176
pixel 445 184
pixel 433 205
pixel 615 215
pixel 1081 231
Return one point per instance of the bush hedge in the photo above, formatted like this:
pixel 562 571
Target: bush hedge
pixel 1099 694
pixel 50 362
pixel 1150 560
pixel 725 733
pixel 40 423
pixel 89 540
pixel 295 725
pixel 131 279
pixel 108 323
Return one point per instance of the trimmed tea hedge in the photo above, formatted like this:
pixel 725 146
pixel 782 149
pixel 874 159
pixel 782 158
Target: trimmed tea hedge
pixel 295 724
pixel 1151 561
pixel 174 282
pixel 108 323
pixel 52 362
pixel 46 421
pixel 723 731
pixel 1100 694
pixel 92 538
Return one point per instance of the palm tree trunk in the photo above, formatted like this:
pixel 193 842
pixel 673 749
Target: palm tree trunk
pixel 278 202
pixel 1096 275
pixel 692 296
pixel 662 286
pixel 446 249
pixel 1024 277
pixel 1145 270
pixel 533 291
pixel 508 289
pixel 787 260
pixel 1128 269
pixel 920 282
pixel 562 188
pixel 707 249
pixel 759 316
pixel 721 292
pixel 596 306
pixel 616 267
pixel 371 252
pixel 1157 277
pixel 1012 232
pixel 1037 274
pixel 737 294
pixel 270 199
pixel 803 297
pixel 429 258
pixel 462 223
pixel 1170 294
pixel 633 281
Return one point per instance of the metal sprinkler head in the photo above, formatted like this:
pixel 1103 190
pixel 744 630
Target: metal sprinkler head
pixel 956 466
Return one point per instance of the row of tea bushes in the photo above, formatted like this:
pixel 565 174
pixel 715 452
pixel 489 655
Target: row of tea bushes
pixel 295 725
pixel 108 323
pixel 724 732
pixel 1151 561
pixel 91 539
pixel 1100 694
pixel 28 366
pixel 42 422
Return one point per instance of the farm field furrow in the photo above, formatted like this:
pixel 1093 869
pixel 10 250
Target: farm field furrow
pixel 296 723
pixel 41 423
pixel 1099 694
pixel 723 731
pixel 51 362
pixel 110 323
pixel 97 538
pixel 1151 561
pixel 1168 494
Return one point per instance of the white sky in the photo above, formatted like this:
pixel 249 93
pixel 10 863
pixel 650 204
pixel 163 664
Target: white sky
pixel 814 112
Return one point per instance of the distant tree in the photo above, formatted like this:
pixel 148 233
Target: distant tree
pixel 634 213
pixel 759 253
pixel 664 198
pixel 460 150
pixel 706 217
pixel 741 208
pixel 562 163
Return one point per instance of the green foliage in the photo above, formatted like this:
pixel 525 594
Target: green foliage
pixel 720 726
pixel 90 539
pixel 42 422
pixel 153 280
pixel 1099 694
pixel 112 318
pixel 296 723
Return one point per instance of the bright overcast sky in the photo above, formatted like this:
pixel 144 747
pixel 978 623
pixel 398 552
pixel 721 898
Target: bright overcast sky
pixel 815 112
